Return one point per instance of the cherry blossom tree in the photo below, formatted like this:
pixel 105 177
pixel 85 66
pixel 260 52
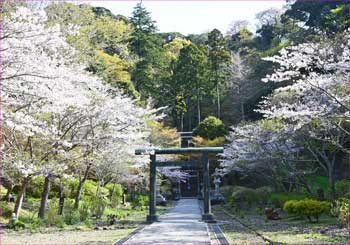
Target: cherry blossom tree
pixel 312 103
pixel 56 114
pixel 316 103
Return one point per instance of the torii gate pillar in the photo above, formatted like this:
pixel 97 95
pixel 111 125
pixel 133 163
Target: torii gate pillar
pixel 152 216
pixel 207 216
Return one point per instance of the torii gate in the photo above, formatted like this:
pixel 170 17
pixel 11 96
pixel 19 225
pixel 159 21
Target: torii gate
pixel 207 216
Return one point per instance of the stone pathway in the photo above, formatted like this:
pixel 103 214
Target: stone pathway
pixel 180 225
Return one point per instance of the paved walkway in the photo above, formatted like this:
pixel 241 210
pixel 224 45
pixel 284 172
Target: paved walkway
pixel 180 225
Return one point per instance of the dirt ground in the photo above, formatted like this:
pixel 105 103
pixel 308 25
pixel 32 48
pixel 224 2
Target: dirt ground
pixel 64 237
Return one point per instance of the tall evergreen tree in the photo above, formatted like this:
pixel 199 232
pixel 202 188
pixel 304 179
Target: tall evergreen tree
pixel 147 45
pixel 192 73
pixel 218 57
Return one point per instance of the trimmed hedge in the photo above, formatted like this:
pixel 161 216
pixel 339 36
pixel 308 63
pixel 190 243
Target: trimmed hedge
pixel 307 208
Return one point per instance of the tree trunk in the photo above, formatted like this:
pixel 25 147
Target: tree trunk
pixel 242 111
pixel 80 186
pixel 182 122
pixel 189 123
pixel 113 189
pixel 61 196
pixel 44 197
pixel 199 110
pixel 20 196
pixel 218 100
pixel 331 178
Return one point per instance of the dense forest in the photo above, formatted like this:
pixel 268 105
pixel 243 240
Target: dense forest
pixel 83 87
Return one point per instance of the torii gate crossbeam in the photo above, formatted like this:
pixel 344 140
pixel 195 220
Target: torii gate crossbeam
pixel 207 216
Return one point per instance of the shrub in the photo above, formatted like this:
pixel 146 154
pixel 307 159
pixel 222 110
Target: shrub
pixel 85 210
pixel 263 193
pixel 71 214
pixel 307 208
pixel 35 224
pixel 342 188
pixel 116 196
pixel 98 206
pixel 342 210
pixel 73 218
pixel 244 196
pixel 89 223
pixel 291 206
pixel 278 199
pixel 6 209
pixel 59 222
pixel 16 224
pixel 52 212
pixel 226 191
pixel 117 215
pixel 210 128
pixel 141 201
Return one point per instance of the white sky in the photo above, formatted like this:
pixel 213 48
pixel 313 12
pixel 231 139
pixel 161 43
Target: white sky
pixel 193 16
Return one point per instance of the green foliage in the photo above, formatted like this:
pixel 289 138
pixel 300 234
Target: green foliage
pixel 278 199
pixel 148 47
pixel 35 224
pixel 210 128
pixel 141 201
pixel 60 222
pixel 16 224
pixel 89 188
pixel 263 193
pixel 112 218
pixel 243 196
pixel 71 215
pixel 114 71
pixel 219 57
pixel 85 210
pixel 226 190
pixel 342 188
pixel 52 212
pixel 343 212
pixel 329 16
pixel 6 209
pixel 307 208
pixel 163 136
pixel 191 73
pixel 98 205
pixel 115 193
pixel 201 142
pixel 35 187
